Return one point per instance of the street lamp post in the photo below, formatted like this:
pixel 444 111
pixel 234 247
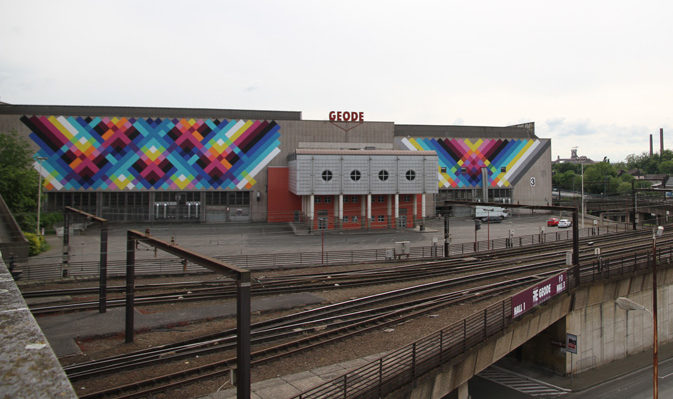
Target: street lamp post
pixel 655 233
pixel 628 304
pixel 582 167
pixel 39 192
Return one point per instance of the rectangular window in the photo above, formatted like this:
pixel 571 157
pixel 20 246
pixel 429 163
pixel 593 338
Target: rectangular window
pixel 317 199
pixel 346 198
pixel 381 198
pixel 406 198
pixel 354 199
pixel 381 218
pixel 345 219
pixel 355 219
pixel 328 200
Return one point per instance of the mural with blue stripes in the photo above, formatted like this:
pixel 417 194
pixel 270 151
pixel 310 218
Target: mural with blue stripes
pixel 461 160
pixel 102 153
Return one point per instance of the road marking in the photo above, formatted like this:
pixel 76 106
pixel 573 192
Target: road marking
pixel 522 383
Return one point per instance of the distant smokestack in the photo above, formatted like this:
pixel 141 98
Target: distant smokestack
pixel 650 145
pixel 661 140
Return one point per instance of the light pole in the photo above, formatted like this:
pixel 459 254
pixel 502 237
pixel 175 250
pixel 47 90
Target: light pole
pixel 39 192
pixel 582 168
pixel 658 232
pixel 627 304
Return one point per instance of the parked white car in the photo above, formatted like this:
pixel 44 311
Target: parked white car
pixel 564 223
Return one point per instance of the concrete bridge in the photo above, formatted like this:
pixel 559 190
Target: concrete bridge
pixel 439 364
pixel 604 332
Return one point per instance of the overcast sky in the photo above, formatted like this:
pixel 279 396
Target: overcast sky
pixel 592 74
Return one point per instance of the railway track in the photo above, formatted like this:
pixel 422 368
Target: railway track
pixel 332 323
pixel 325 328
pixel 207 290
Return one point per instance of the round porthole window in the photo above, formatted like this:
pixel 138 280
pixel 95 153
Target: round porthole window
pixel 410 175
pixel 327 175
pixel 383 175
pixel 356 175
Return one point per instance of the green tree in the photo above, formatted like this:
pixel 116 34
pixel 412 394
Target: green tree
pixel 18 180
pixel 666 167
pixel 597 177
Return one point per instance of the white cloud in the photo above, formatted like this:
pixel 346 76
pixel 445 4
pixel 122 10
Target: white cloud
pixel 604 69
pixel 597 140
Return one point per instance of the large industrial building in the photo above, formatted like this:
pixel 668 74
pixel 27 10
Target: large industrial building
pixel 218 165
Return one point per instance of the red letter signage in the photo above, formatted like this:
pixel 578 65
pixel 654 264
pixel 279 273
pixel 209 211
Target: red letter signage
pixel 346 116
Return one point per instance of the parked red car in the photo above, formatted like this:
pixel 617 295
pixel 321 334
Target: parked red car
pixel 552 222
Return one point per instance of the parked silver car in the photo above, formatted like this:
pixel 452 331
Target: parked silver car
pixel 564 223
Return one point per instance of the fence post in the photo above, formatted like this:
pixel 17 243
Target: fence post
pixel 464 333
pixel 413 361
pixel 380 377
pixel 503 315
pixel 485 322
pixel 441 346
pixel 345 385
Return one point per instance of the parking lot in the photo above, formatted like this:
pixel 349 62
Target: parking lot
pixel 256 238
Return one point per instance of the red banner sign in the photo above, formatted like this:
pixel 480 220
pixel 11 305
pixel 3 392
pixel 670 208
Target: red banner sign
pixel 346 116
pixel 530 298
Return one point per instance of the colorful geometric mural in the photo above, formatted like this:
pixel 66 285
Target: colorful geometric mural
pixel 504 159
pixel 103 153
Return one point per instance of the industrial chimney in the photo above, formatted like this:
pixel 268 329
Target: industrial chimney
pixel 650 145
pixel 661 140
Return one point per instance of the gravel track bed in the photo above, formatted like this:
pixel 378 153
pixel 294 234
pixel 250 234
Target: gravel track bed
pixel 378 341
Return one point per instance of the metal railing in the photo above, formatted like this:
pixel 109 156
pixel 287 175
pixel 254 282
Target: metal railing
pixel 52 269
pixel 402 366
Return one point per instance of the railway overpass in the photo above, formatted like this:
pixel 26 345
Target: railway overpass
pixel 445 361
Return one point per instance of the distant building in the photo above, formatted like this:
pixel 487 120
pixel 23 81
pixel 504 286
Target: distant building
pixel 582 159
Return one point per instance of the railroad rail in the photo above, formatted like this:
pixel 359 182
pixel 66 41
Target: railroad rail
pixel 402 366
pixel 330 335
pixel 272 261
pixel 332 280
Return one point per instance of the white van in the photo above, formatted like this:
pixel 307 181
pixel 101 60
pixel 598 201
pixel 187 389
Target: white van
pixel 490 213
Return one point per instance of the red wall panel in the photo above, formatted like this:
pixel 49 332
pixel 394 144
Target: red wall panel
pixel 281 204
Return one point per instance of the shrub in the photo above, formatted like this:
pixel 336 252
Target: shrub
pixel 38 244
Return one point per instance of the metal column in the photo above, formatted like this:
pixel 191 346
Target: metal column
pixel 130 284
pixel 66 244
pixel 102 288
pixel 243 336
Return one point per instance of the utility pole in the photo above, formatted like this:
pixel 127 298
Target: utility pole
pixel 446 235
pixel 634 213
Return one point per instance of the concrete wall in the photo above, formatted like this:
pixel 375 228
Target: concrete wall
pixel 540 194
pixel 28 366
pixel 606 332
